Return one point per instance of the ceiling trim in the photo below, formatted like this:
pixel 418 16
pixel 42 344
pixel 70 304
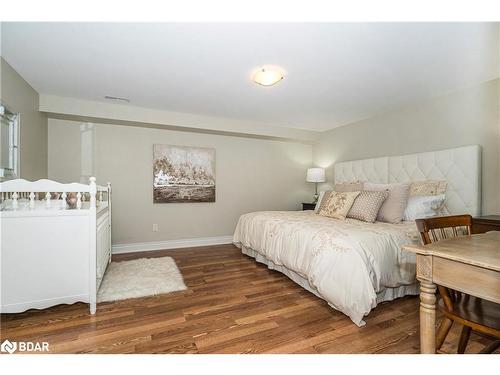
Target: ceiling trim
pixel 94 111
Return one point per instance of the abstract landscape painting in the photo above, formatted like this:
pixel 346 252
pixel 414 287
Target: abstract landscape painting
pixel 183 174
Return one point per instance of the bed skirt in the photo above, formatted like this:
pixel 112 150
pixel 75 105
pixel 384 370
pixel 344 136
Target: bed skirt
pixel 388 294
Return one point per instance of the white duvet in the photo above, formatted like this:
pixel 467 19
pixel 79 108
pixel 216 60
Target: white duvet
pixel 351 264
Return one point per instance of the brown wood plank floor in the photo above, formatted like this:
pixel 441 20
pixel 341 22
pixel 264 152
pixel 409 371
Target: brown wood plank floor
pixel 232 305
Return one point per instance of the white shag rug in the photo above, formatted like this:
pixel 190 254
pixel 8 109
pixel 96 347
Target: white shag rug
pixel 140 278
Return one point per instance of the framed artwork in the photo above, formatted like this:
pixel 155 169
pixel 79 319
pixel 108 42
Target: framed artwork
pixel 183 174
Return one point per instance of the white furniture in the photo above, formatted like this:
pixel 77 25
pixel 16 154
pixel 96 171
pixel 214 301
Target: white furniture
pixel 460 167
pixel 52 254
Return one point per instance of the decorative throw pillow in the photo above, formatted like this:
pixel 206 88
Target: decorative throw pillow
pixel 426 188
pixel 421 207
pixel 336 204
pixel 393 208
pixel 367 205
pixel 348 186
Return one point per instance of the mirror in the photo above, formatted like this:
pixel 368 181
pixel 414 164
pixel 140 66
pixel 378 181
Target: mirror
pixel 8 143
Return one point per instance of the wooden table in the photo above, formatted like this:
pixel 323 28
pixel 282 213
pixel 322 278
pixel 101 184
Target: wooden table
pixel 469 264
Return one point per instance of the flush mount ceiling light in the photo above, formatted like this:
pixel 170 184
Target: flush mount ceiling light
pixel 268 75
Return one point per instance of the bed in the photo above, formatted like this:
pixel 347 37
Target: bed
pixel 52 253
pixel 351 264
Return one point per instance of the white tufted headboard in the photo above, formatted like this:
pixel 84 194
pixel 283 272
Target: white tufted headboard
pixel 460 167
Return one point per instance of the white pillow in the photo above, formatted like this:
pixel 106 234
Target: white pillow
pixel 420 207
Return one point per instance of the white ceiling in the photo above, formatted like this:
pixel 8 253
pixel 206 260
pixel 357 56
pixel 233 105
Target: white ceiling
pixel 336 73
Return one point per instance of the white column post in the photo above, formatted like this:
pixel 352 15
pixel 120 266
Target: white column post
pixel 47 199
pixel 79 200
pixel 63 200
pixel 109 221
pixel 14 200
pixel 93 246
pixel 32 200
pixel 92 191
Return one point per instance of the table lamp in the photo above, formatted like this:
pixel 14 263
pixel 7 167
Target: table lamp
pixel 315 175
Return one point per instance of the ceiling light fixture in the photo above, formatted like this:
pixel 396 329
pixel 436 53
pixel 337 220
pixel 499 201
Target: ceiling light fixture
pixel 268 76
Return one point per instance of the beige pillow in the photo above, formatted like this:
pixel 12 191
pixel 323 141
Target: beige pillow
pixel 393 208
pixel 348 186
pixel 336 204
pixel 341 187
pixel 367 205
pixel 429 187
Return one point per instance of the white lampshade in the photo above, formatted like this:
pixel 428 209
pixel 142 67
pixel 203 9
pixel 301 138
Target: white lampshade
pixel 315 175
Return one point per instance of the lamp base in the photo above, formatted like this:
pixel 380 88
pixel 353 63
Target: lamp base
pixel 316 196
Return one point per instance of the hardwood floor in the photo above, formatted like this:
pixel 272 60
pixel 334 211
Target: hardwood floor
pixel 232 305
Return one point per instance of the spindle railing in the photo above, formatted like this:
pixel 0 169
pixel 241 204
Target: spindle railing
pixel 51 194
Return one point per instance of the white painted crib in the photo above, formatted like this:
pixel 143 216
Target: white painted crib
pixel 50 253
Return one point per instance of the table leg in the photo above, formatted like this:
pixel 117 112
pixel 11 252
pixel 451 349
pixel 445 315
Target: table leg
pixel 427 317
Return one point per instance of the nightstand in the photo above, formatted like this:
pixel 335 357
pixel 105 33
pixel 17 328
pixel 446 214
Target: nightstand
pixel 308 206
pixel 486 223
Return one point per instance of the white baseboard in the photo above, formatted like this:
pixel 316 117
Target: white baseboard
pixel 170 244
pixel 43 303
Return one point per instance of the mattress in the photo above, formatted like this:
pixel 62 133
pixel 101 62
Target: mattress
pixel 351 264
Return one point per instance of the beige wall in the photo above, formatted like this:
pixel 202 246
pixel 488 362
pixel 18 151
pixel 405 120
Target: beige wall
pixel 20 97
pixel 469 116
pixel 256 174
pixel 252 174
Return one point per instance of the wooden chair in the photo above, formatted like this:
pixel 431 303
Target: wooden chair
pixel 473 313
